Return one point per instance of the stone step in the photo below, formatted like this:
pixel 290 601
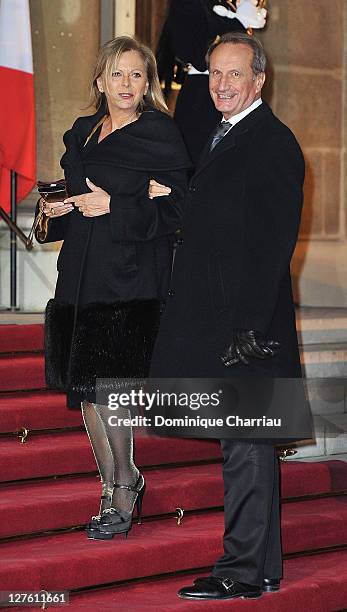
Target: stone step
pixel 311 583
pixel 327 395
pixel 321 325
pixel 330 438
pixel 69 561
pixel 324 360
pixel 319 459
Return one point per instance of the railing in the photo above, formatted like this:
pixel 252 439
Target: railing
pixel 15 232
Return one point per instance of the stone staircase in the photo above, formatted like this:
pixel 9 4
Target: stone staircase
pixel 49 478
pixel 322 337
pixel 323 346
pixel 36 269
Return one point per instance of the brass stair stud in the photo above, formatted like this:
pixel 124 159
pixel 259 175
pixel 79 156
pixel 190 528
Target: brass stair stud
pixel 45 593
pixel 179 515
pixel 23 434
pixel 287 452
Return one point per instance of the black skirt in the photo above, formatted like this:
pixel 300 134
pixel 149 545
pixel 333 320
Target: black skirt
pixel 98 341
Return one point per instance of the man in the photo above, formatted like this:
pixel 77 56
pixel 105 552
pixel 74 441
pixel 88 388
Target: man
pixel 188 31
pixel 231 294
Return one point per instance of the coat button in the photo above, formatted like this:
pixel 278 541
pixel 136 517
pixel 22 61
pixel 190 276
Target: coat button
pixel 192 188
pixel 171 292
pixel 179 241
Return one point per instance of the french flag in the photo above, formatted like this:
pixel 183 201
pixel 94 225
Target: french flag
pixel 17 106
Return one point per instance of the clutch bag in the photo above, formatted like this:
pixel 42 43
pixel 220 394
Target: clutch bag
pixel 50 192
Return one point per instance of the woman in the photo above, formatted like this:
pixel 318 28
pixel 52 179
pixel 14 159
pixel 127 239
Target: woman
pixel 114 265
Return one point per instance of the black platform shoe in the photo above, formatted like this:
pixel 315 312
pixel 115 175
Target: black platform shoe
pixel 105 503
pixel 113 521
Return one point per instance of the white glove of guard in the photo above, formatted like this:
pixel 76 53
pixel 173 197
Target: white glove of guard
pixel 247 13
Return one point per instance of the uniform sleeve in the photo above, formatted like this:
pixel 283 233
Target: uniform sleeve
pixel 189 32
pixel 273 204
pixel 135 217
pixel 193 28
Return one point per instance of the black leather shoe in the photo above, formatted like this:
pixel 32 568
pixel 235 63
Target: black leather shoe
pixel 212 587
pixel 271 585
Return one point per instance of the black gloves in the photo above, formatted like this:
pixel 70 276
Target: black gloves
pixel 246 344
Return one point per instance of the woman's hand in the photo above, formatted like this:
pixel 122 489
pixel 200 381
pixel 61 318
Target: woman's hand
pixel 156 190
pixel 92 204
pixel 57 209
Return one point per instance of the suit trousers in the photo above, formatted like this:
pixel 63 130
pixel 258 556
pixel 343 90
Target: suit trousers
pixel 252 537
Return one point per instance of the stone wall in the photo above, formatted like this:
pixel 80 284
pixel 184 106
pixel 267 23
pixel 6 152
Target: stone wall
pixel 306 44
pixel 306 41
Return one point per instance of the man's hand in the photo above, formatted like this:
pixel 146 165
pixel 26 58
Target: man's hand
pixel 92 204
pixel 246 344
pixel 156 190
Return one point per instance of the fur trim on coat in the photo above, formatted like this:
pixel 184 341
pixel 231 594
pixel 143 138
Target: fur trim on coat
pixel 109 341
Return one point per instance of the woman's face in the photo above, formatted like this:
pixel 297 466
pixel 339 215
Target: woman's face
pixel 128 83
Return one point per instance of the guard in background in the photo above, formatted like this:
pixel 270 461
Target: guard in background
pixel 190 28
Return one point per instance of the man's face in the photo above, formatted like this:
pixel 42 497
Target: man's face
pixel 233 86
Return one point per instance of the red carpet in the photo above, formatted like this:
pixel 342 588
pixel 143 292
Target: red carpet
pixel 20 338
pixel 36 410
pixel 70 453
pixel 19 372
pixel 67 502
pixel 74 561
pixel 311 584
pixel 33 501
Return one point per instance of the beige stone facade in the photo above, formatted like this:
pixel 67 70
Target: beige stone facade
pixel 306 41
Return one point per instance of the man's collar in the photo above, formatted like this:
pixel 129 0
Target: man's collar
pixel 236 118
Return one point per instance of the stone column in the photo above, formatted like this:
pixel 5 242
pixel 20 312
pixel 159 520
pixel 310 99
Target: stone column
pixel 150 16
pixel 65 36
pixel 125 17
pixel 306 41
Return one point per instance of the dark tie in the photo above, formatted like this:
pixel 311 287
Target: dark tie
pixel 220 132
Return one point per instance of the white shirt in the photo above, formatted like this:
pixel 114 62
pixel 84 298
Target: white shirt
pixel 236 118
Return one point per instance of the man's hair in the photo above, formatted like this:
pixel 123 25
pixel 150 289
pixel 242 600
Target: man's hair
pixel 258 63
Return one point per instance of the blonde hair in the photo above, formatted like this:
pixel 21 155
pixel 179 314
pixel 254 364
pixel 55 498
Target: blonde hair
pixel 108 58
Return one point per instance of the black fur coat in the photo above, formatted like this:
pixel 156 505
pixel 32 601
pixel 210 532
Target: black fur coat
pixel 114 270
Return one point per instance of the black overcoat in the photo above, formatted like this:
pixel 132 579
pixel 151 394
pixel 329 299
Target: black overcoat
pixel 232 267
pixel 113 270
pixel 124 255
